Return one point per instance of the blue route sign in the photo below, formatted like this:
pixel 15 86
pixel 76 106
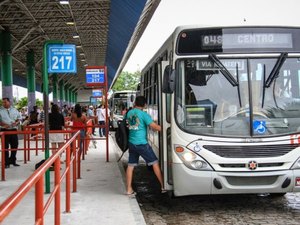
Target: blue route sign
pixel 62 58
pixel 95 75
pixel 97 93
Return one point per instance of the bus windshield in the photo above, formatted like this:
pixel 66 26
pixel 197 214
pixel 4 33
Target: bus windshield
pixel 122 101
pixel 243 97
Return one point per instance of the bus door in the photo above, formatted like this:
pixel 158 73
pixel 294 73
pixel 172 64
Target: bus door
pixel 165 143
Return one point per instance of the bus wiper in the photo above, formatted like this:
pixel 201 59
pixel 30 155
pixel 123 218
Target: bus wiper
pixel 238 86
pixel 223 70
pixel 264 87
pixel 275 71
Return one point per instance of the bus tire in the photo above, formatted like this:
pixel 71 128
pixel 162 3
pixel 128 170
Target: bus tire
pixel 275 195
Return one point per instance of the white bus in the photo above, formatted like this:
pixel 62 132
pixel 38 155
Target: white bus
pixel 228 100
pixel 119 103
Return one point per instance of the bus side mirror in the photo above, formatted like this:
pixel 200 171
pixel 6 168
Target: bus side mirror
pixel 131 98
pixel 168 80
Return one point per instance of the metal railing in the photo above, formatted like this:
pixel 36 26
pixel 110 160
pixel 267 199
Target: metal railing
pixel 37 180
pixel 35 133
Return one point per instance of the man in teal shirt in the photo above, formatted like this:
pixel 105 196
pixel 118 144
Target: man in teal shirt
pixel 138 121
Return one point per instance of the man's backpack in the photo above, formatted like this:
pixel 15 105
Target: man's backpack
pixel 121 135
pixel 39 164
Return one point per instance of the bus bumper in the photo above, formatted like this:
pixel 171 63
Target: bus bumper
pixel 193 182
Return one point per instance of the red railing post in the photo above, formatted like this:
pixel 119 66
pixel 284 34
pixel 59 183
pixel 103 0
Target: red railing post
pixel 25 149
pixel 68 178
pixel 57 193
pixel 84 146
pixel 3 156
pixel 107 141
pixel 28 141
pixel 74 153
pixel 36 139
pixel 79 152
pixel 39 201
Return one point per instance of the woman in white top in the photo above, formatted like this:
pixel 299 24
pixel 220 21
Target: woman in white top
pixel 101 114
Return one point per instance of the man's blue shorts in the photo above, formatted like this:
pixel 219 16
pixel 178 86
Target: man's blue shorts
pixel 135 151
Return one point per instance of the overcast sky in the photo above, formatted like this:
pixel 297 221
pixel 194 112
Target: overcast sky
pixel 173 13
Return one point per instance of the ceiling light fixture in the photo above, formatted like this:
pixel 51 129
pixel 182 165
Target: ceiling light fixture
pixel 70 23
pixel 75 36
pixel 65 2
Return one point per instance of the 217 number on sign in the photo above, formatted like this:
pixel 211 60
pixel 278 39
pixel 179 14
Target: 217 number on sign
pixel 61 62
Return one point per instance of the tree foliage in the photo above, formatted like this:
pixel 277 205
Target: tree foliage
pixel 23 102
pixel 127 81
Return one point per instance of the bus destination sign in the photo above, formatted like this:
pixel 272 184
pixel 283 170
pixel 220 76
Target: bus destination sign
pixel 248 40
pixel 238 40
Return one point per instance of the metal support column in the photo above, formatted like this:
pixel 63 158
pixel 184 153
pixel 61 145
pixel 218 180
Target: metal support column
pixel 54 84
pixel 30 80
pixel 6 66
pixel 61 93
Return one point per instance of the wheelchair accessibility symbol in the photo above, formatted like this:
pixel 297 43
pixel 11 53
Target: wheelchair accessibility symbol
pixel 259 126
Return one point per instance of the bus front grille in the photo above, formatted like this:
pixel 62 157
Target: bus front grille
pixel 253 151
pixel 251 181
pixel 245 165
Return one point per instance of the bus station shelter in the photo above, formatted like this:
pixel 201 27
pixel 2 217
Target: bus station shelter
pixel 105 33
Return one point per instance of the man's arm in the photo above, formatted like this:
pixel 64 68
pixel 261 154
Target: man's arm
pixel 155 126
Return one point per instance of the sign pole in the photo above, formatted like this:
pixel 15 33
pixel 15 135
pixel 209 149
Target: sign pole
pixel 46 107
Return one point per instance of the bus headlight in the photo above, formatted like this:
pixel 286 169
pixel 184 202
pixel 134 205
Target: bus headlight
pixel 190 159
pixel 296 164
pixel 188 156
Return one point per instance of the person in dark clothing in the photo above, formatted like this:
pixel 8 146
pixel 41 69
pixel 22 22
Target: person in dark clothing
pixel 56 122
pixel 33 116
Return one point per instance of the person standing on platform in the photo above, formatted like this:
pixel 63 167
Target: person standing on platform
pixel 41 117
pixel 101 119
pixel 9 121
pixel 91 115
pixel 101 114
pixel 56 122
pixel 33 115
pixel 65 111
pixel 79 123
pixel 138 121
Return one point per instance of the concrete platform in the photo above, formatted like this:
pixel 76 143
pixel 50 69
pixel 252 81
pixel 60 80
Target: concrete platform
pixel 100 198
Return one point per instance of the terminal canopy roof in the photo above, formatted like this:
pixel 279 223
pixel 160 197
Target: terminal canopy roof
pixel 104 31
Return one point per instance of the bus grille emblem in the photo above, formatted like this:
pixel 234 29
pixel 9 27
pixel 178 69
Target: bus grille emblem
pixel 252 165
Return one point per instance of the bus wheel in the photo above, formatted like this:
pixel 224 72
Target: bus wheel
pixel 171 194
pixel 277 194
